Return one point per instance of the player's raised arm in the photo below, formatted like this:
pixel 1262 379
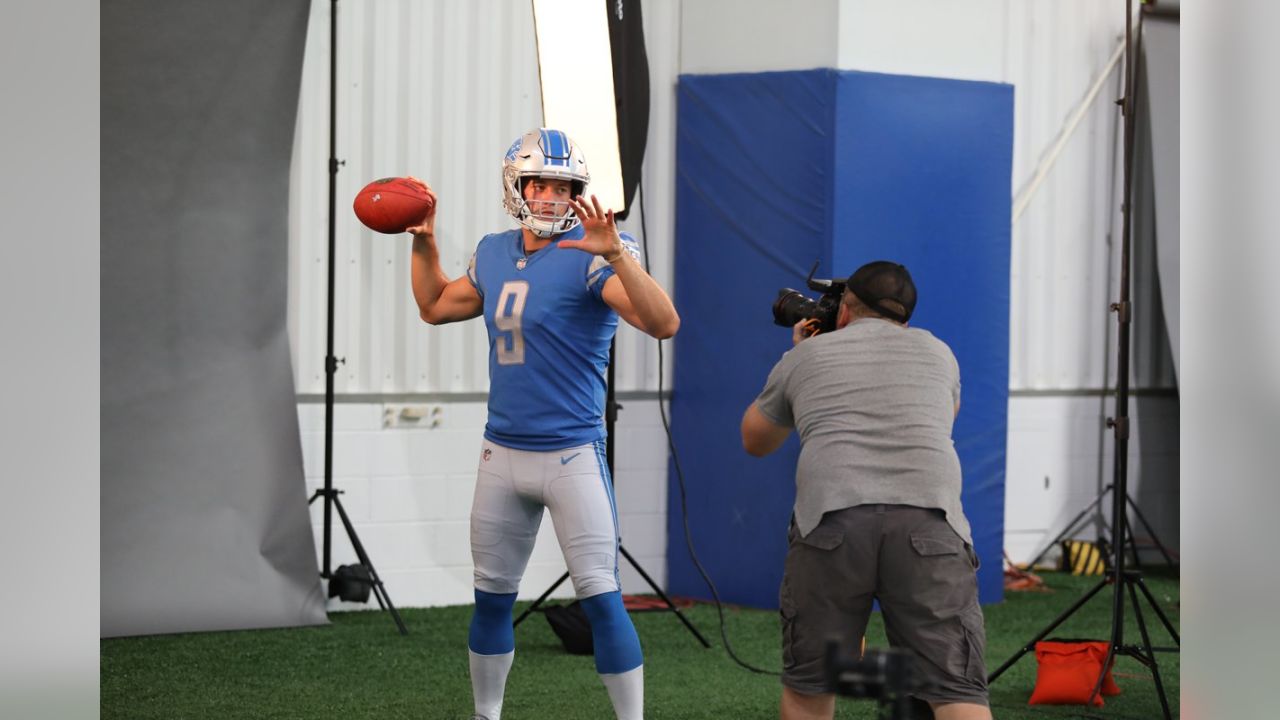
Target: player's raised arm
pixel 439 299
pixel 631 292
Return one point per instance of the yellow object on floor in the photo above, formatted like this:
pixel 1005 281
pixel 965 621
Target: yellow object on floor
pixel 1082 557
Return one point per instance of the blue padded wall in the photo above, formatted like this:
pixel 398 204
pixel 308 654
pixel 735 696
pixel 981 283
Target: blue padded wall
pixel 774 172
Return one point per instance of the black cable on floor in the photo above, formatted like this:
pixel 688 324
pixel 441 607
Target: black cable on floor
pixel 684 506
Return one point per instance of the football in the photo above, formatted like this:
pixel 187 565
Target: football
pixel 390 205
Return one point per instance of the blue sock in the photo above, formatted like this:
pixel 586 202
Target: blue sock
pixel 617 647
pixel 491 631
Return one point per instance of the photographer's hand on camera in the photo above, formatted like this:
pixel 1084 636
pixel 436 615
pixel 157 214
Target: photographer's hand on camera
pixel 805 329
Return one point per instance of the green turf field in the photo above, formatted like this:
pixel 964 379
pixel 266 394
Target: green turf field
pixel 359 667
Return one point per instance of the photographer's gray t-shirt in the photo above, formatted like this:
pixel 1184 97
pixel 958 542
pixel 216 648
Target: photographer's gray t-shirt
pixel 874 403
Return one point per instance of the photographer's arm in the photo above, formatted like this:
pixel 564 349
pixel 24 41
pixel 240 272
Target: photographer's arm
pixel 760 435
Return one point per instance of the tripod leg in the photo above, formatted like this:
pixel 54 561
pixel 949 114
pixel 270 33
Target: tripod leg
pixel 1070 527
pixel 540 599
pixel 1159 613
pixel 1163 551
pixel 1043 633
pixel 1106 663
pixel 664 597
pixel 324 493
pixel 1132 545
pixel 1151 656
pixel 1116 640
pixel 379 591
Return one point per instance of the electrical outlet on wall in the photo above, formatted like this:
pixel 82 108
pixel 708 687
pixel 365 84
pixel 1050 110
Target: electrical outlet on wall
pixel 401 415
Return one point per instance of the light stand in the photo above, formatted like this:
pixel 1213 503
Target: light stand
pixel 1118 576
pixel 349 582
pixel 611 408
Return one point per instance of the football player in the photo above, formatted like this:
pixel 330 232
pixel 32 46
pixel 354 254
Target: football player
pixel 551 293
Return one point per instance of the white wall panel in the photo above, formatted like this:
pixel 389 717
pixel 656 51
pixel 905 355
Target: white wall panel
pixel 1066 246
pixel 1061 457
pixel 938 38
pixel 437 90
pixel 1060 256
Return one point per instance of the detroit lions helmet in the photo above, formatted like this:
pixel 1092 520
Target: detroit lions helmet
pixel 543 153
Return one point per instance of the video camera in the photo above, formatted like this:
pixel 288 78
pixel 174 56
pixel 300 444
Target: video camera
pixel 886 676
pixel 791 306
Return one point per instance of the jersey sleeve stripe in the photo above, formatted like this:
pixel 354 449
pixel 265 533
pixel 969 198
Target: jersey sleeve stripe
pixel 471 274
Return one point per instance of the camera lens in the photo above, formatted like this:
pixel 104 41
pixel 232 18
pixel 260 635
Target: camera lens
pixel 791 307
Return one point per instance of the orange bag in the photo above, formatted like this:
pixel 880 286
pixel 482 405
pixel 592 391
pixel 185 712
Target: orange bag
pixel 1067 671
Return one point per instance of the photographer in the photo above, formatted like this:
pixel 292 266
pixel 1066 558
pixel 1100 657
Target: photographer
pixel 877 513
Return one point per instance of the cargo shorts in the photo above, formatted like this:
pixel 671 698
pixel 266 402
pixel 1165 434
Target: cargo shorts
pixel 919 569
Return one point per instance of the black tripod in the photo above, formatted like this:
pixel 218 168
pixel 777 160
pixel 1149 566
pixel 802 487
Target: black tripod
pixel 1120 578
pixel 351 582
pixel 610 417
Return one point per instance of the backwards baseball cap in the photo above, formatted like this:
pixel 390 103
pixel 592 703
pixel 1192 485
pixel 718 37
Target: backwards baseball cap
pixel 882 280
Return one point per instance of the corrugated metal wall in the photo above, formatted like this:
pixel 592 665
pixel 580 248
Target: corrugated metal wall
pixel 1065 254
pixel 439 89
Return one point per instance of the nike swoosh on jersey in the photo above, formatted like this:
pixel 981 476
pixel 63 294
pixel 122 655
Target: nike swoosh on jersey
pixel 565 460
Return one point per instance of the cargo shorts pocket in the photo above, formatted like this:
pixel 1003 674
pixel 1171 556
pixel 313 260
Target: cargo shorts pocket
pixel 935 545
pixel 787 616
pixel 975 639
pixel 823 538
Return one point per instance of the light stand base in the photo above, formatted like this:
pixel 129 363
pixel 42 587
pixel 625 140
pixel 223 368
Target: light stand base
pixel 379 592
pixel 657 591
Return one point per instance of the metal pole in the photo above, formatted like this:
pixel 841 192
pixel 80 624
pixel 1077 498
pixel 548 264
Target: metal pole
pixel 330 363
pixel 1124 312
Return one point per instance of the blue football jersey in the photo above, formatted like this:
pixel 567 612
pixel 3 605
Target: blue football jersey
pixel 549 335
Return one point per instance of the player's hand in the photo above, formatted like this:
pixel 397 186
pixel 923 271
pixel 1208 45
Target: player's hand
pixel 600 231
pixel 804 329
pixel 426 226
